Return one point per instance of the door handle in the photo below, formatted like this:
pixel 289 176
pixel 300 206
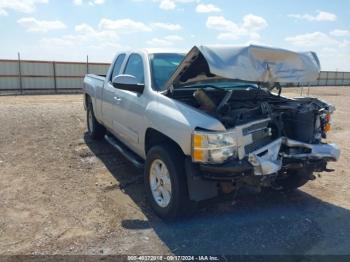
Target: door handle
pixel 117 98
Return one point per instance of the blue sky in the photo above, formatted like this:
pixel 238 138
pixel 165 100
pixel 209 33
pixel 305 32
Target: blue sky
pixel 71 29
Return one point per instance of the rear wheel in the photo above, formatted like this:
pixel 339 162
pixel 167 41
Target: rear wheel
pixel 294 179
pixel 165 181
pixel 95 129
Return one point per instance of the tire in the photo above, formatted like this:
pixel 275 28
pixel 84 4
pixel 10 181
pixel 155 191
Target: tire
pixel 169 157
pixel 294 179
pixel 95 129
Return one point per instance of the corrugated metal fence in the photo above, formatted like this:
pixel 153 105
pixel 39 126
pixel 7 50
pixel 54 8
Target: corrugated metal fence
pixel 27 76
pixel 332 78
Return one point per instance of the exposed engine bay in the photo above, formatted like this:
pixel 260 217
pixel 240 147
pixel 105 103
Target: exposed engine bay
pixel 304 119
pixel 273 132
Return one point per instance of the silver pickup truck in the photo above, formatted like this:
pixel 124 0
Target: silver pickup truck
pixel 211 121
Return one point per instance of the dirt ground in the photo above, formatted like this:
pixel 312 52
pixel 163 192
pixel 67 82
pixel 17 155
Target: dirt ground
pixel 61 193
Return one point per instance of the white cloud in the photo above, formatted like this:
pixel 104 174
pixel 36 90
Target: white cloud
pixel 169 40
pixel 207 8
pixel 220 23
pixel 23 6
pixel 90 34
pixel 333 52
pixel 34 25
pixel 174 38
pixel 156 42
pixel 84 29
pixel 312 40
pixel 167 26
pixel 3 12
pixel 167 5
pixel 123 25
pixel 340 32
pixel 91 3
pixel 87 38
pixel 249 27
pixel 85 35
pixel 253 22
pixel 171 4
pixel 321 16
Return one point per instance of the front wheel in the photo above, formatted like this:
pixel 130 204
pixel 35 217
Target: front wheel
pixel 165 181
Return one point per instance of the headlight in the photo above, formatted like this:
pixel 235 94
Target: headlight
pixel 213 147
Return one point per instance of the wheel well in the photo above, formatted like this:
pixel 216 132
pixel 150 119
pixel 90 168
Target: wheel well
pixel 154 137
pixel 87 101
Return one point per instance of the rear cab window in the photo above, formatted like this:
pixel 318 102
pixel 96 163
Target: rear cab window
pixel 117 66
pixel 135 68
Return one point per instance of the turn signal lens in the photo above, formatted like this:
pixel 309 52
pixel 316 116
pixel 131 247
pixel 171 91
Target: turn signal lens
pixel 198 155
pixel 197 140
pixel 327 127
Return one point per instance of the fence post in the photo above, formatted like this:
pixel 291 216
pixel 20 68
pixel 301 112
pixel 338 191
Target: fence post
pixel 336 77
pixel 54 76
pixel 87 64
pixel 20 73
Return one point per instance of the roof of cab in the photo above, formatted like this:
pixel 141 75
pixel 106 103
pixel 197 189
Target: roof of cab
pixel 154 51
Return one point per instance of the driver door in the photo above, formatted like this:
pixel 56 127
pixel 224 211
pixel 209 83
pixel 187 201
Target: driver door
pixel 132 106
pixel 111 102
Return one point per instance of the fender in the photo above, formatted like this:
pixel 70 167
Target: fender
pixel 177 120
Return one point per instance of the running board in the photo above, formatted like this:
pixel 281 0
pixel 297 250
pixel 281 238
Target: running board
pixel 126 152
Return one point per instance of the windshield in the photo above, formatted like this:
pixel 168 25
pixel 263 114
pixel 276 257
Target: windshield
pixel 162 67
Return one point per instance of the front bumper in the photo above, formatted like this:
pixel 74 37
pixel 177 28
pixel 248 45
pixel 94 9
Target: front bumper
pixel 269 159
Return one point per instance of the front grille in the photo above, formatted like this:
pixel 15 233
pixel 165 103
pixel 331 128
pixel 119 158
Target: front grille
pixel 261 136
pixel 257 144
pixel 251 129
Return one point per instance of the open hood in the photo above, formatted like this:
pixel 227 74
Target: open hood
pixel 251 63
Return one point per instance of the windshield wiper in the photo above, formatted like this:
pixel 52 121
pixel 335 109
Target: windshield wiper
pixel 225 88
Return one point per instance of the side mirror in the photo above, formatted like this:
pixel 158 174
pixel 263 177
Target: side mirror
pixel 128 82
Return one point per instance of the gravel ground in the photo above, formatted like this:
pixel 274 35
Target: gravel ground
pixel 62 193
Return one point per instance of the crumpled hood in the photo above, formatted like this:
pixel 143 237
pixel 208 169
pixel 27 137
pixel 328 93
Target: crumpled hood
pixel 251 63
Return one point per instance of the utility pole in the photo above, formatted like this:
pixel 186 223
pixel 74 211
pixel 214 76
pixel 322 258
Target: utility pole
pixel 20 73
pixel 54 76
pixel 87 64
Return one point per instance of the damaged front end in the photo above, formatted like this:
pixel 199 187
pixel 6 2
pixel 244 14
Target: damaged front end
pixel 259 148
pixel 268 137
pixel 273 157
pixel 253 154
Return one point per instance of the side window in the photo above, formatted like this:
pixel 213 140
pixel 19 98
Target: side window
pixel 117 65
pixel 134 67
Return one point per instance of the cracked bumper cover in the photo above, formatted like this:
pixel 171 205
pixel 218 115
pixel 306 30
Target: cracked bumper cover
pixel 268 159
